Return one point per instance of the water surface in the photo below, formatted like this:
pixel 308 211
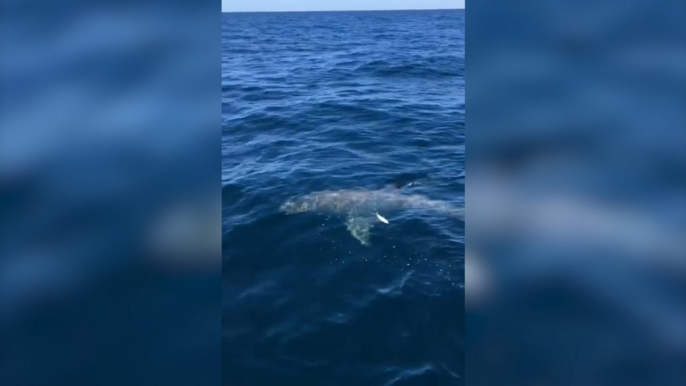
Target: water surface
pixel 341 100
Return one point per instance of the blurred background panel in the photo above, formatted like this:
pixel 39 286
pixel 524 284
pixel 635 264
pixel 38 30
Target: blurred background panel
pixel 576 252
pixel 110 219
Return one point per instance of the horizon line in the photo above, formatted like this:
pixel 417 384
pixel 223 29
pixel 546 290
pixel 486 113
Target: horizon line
pixel 350 10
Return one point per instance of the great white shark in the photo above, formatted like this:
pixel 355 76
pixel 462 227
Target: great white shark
pixel 361 207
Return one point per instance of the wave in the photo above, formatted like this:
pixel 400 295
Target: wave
pixel 426 68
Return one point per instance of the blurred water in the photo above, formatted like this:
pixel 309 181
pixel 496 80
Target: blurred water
pixel 576 267
pixel 109 199
pixel 328 101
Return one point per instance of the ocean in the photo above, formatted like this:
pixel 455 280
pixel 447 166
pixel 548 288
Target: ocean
pixel 326 101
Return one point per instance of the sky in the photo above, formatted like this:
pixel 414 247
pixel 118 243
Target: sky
pixel 334 5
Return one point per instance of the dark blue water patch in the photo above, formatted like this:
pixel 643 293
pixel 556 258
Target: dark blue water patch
pixel 421 69
pixel 331 101
pixel 305 289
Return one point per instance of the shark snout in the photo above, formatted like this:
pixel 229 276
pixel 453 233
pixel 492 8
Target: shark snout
pixel 291 207
pixel 287 207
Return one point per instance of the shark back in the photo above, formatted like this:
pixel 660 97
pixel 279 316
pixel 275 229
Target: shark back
pixel 362 207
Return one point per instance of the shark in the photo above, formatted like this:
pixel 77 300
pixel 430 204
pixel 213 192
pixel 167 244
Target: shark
pixel 362 207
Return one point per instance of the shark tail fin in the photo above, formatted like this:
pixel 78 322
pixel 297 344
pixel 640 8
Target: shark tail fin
pixel 457 213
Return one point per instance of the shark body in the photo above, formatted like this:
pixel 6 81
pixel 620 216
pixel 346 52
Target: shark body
pixel 361 207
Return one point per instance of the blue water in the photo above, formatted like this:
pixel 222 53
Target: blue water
pixel 328 101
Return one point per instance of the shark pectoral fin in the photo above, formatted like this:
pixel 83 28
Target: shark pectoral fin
pixel 359 228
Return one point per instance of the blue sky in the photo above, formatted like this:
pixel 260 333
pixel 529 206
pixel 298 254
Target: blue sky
pixel 335 5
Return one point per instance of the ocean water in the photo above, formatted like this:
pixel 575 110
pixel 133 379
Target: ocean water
pixel 329 101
